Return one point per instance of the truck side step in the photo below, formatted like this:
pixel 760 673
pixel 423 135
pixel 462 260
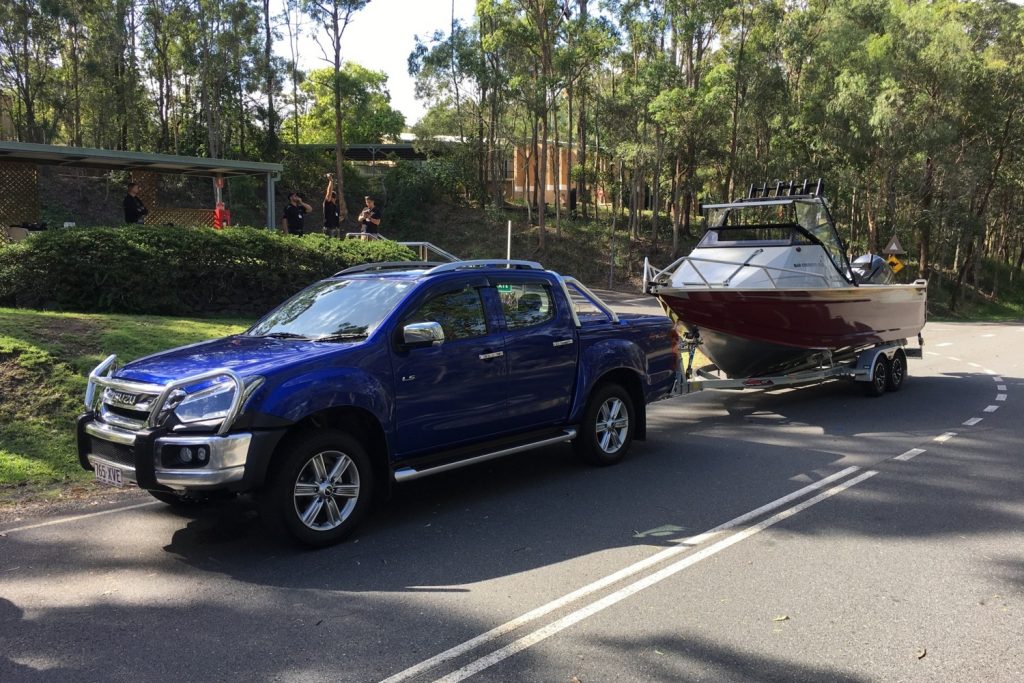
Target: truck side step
pixel 409 473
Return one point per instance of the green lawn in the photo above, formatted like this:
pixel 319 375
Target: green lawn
pixel 44 360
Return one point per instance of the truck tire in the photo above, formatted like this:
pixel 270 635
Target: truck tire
pixel 318 489
pixel 608 425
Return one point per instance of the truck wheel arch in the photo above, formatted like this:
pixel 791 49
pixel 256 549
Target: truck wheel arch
pixel 630 381
pixel 363 426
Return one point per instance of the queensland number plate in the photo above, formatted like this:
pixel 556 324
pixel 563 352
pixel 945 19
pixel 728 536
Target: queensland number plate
pixel 105 474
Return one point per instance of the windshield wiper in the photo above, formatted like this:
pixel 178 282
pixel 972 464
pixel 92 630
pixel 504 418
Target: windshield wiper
pixel 285 335
pixel 341 336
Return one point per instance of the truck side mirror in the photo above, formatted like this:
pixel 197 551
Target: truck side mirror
pixel 423 334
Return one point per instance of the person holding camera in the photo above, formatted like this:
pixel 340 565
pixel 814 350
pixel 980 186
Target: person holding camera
pixel 294 219
pixel 134 210
pixel 369 217
pixel 332 217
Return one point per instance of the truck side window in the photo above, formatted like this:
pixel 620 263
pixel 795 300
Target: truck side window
pixel 526 305
pixel 461 314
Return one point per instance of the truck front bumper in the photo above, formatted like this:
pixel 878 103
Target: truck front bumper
pixel 153 459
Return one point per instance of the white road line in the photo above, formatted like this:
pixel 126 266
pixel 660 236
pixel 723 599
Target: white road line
pixel 1000 387
pixel 65 520
pixel 684 545
pixel 958 360
pixel 986 336
pixel 579 615
pixel 989 372
pixel 1000 397
pixel 932 353
pixel 942 438
pixel 974 365
pixel 973 421
pixel 991 409
pixel 913 452
pixel 944 344
pixel 998 378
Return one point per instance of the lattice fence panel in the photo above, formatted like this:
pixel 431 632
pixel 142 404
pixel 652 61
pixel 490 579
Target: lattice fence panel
pixel 191 218
pixel 19 193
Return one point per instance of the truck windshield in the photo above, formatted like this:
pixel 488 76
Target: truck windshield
pixel 333 309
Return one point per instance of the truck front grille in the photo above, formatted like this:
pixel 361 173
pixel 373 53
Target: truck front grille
pixel 115 452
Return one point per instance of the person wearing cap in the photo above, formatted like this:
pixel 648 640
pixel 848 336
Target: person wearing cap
pixel 370 216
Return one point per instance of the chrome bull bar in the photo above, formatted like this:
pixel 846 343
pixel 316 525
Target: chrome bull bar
pixel 101 377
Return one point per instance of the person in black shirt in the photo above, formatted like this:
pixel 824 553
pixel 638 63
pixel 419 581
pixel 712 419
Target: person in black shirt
pixel 370 216
pixel 294 218
pixel 332 219
pixel 134 209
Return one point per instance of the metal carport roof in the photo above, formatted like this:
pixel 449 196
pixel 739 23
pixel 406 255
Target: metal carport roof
pixel 57 155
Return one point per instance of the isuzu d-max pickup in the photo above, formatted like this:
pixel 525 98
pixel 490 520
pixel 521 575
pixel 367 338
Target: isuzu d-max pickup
pixel 378 375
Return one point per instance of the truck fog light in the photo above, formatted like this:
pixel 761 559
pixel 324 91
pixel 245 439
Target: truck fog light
pixel 185 454
pixel 202 454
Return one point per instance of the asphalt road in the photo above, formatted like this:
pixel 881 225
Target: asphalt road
pixel 804 534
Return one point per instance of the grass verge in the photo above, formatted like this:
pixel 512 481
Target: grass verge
pixel 45 358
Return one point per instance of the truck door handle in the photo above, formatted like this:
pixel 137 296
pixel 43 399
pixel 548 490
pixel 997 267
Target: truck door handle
pixel 562 342
pixel 491 354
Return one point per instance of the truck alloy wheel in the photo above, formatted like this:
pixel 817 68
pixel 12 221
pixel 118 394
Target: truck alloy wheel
pixel 320 488
pixel 607 429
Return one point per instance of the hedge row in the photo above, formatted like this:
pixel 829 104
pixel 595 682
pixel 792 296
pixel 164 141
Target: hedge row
pixel 173 271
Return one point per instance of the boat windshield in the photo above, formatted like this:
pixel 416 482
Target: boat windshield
pixel 775 222
pixel 334 310
pixel 813 217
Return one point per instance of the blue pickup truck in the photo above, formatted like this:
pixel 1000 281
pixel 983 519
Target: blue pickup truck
pixel 381 374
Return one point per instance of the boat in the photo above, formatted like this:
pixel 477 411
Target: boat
pixel 769 288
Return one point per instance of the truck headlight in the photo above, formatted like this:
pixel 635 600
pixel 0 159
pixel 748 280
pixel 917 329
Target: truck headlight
pixel 215 402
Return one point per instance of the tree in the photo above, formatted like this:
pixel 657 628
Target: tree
pixel 334 16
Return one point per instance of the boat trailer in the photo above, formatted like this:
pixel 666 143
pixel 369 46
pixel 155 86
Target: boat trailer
pixel 882 367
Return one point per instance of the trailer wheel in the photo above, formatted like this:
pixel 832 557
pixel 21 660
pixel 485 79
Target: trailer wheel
pixel 897 371
pixel 608 426
pixel 879 376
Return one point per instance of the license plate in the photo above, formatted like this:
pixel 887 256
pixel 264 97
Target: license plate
pixel 105 474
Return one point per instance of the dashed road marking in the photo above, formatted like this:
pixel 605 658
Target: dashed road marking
pixel 973 421
pixel 1000 397
pixel 942 438
pixel 991 409
pixel 913 452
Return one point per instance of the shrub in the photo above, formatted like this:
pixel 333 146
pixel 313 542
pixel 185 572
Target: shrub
pixel 174 271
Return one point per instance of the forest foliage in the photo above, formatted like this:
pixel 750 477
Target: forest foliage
pixel 912 110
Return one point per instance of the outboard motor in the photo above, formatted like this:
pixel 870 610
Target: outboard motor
pixel 871 269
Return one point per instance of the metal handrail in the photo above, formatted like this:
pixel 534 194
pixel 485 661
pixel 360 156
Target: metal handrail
pixel 424 249
pixel 653 276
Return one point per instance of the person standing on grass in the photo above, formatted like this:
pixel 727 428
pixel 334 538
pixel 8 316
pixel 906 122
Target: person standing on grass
pixel 293 221
pixel 134 210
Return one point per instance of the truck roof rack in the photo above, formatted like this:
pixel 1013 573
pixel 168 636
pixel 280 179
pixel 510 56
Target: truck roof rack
pixel 511 264
pixel 386 265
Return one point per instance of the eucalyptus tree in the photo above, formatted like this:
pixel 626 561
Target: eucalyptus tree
pixel 368 116
pixel 334 16
pixel 28 47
